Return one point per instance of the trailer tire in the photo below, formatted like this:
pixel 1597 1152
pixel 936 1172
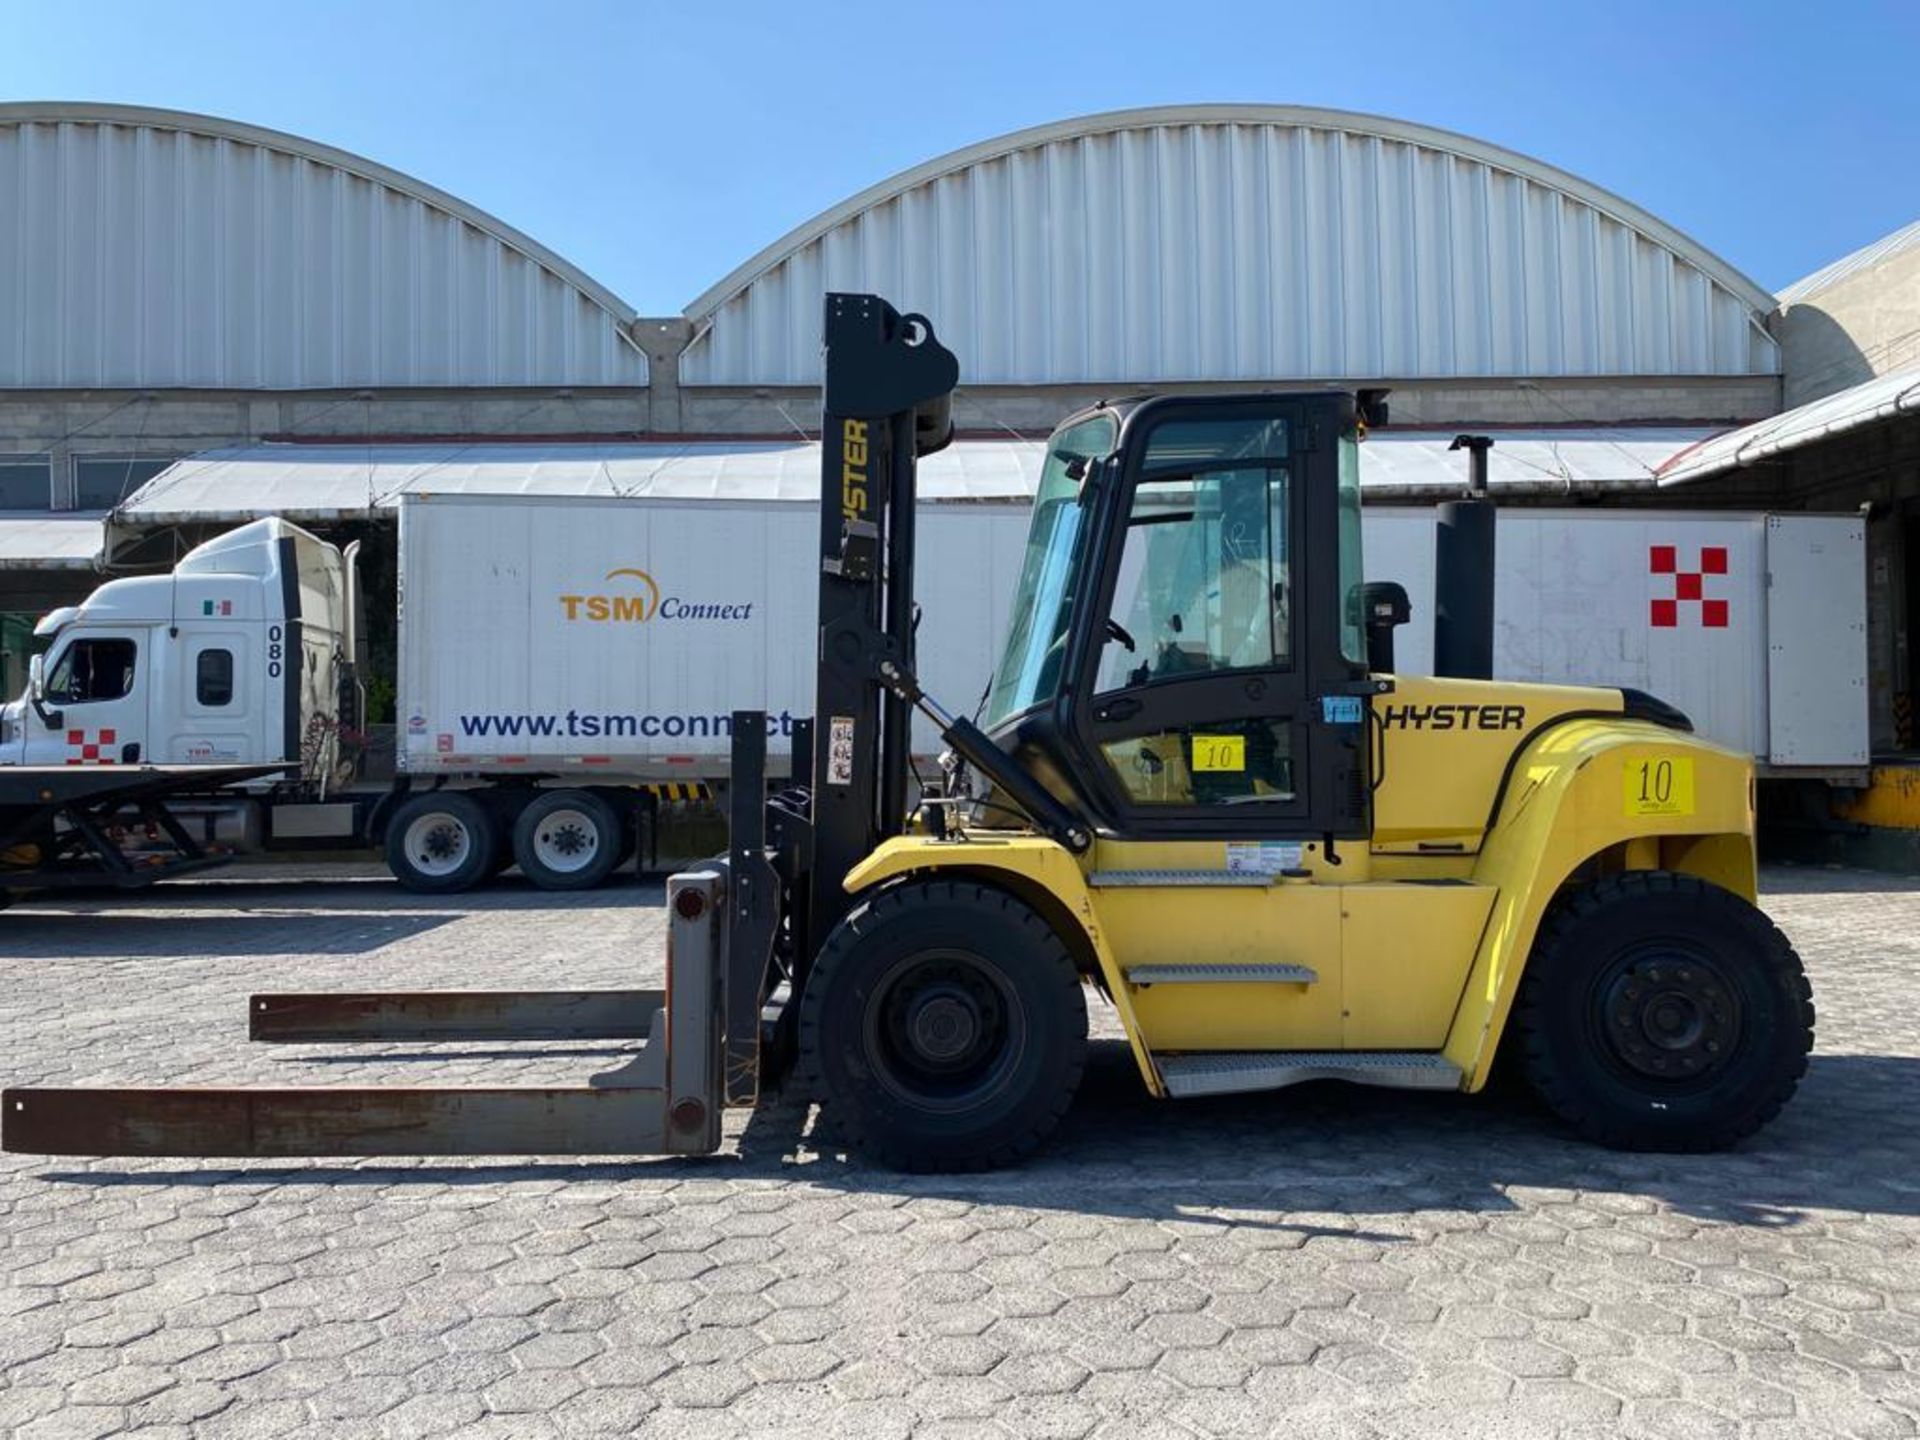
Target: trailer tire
pixel 566 840
pixel 943 1028
pixel 1663 1013
pixel 441 843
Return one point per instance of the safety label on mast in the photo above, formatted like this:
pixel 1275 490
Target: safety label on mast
pixel 840 750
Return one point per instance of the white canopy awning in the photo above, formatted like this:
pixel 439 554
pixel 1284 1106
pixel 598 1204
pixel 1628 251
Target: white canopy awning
pixel 38 541
pixel 1881 398
pixel 331 482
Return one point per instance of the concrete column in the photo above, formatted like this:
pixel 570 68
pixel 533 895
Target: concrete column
pixel 663 339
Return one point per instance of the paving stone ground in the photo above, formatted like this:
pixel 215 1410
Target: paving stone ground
pixel 1322 1262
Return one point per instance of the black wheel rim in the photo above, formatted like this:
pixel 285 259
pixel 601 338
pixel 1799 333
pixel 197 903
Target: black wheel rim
pixel 944 1031
pixel 1668 1014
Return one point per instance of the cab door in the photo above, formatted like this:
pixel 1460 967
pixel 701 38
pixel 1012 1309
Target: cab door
pixel 211 706
pixel 97 685
pixel 1213 725
pixel 1218 702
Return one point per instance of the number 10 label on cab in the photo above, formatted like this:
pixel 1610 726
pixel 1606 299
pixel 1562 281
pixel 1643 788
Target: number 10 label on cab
pixel 1658 785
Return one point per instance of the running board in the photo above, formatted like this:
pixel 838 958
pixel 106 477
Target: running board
pixel 1222 975
pixel 1236 1072
pixel 1177 879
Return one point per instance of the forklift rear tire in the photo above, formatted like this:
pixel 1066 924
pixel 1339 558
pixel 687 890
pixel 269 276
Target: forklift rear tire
pixel 943 1028
pixel 1663 1013
pixel 441 843
pixel 566 840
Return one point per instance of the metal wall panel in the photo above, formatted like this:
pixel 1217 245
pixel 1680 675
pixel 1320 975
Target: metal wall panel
pixel 1817 639
pixel 1212 244
pixel 140 248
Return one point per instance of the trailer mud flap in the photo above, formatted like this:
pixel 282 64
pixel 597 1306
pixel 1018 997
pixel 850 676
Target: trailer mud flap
pixel 666 1099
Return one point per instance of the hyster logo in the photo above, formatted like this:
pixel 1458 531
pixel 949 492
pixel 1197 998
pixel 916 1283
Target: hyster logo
pixel 853 470
pixel 640 601
pixel 1453 717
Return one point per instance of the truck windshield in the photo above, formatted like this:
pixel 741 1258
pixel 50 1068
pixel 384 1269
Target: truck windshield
pixel 1029 670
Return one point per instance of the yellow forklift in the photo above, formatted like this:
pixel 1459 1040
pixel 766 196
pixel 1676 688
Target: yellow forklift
pixel 1191 790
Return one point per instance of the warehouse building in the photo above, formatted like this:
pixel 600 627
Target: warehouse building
pixel 173 285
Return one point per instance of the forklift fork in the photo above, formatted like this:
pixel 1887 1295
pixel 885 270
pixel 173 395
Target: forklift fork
pixel 666 1099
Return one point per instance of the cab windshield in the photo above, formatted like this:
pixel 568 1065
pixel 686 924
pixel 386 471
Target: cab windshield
pixel 1029 670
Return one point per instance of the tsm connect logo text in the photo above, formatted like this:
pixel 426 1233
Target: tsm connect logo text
pixel 634 597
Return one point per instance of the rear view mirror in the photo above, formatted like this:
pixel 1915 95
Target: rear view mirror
pixel 36 692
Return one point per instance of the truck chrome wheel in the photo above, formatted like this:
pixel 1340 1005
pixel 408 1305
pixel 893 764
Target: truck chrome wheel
pixel 943 1031
pixel 441 843
pixel 438 844
pixel 566 841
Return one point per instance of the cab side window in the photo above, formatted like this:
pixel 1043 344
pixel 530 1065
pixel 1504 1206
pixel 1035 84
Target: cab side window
pixel 92 670
pixel 1203 583
pixel 213 678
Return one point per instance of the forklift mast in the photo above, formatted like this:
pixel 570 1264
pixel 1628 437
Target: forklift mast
pixel 889 392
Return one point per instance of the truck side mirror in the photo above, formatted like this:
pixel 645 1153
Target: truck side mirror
pixel 36 692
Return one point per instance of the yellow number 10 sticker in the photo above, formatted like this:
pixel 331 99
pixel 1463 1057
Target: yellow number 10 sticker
pixel 1659 785
pixel 1219 752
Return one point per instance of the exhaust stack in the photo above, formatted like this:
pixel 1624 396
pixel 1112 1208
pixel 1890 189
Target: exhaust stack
pixel 1463 572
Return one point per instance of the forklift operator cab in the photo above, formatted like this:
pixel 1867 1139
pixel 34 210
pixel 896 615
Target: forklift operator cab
pixel 1220 695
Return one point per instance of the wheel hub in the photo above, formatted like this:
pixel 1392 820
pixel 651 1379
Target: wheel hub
pixel 941 1032
pixel 944 1023
pixel 437 843
pixel 1672 1017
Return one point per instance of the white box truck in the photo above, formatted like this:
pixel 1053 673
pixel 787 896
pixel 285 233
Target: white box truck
pixel 557 655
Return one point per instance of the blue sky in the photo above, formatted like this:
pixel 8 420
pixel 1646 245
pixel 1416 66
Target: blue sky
pixel 658 145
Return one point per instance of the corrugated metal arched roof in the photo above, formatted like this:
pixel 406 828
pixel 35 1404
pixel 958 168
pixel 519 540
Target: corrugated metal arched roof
pixel 152 248
pixel 1239 242
pixel 1849 265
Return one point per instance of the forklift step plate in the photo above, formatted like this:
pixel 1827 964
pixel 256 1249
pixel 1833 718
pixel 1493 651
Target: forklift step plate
pixel 1235 1072
pixel 1177 879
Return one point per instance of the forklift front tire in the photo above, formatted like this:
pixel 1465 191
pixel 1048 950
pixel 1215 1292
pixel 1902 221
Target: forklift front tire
pixel 943 1028
pixel 441 843
pixel 1662 1013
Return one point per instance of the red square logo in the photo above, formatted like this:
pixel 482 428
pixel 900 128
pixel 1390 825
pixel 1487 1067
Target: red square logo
pixel 1687 586
pixel 76 737
pixel 1713 614
pixel 106 737
pixel 1664 559
pixel 1666 614
pixel 1713 559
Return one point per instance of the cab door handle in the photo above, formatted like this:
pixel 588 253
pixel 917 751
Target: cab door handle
pixel 1121 709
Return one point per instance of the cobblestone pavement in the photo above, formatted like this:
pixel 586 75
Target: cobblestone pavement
pixel 1324 1262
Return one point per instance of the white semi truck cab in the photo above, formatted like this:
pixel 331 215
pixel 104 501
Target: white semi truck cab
pixel 242 655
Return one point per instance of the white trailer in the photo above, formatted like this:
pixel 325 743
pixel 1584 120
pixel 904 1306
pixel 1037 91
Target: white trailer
pixel 556 654
pixel 1754 625
pixel 597 637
